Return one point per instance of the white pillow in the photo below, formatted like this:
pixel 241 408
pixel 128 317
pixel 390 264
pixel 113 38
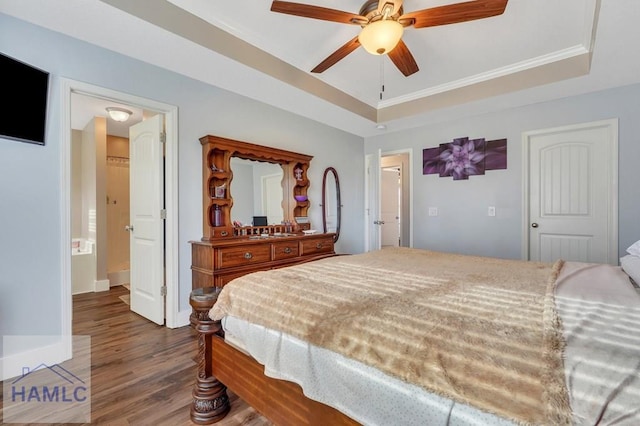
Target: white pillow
pixel 634 249
pixel 631 265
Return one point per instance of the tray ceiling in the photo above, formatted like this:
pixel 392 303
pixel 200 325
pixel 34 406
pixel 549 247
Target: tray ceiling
pixel 535 51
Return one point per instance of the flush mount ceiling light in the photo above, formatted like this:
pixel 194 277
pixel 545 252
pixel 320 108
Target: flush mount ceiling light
pixel 119 114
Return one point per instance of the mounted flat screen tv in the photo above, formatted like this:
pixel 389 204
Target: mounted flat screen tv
pixel 23 111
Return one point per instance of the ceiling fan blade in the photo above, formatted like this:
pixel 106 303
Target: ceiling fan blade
pixel 336 56
pixel 403 59
pixel 317 12
pixel 454 13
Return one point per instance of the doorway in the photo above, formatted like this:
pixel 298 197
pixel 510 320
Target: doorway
pixel 388 204
pixel 99 172
pixel 570 193
pixel 391 198
pixel 394 200
pixel 174 318
pixel 118 209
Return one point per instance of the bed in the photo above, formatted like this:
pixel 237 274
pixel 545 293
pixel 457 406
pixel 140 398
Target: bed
pixel 407 336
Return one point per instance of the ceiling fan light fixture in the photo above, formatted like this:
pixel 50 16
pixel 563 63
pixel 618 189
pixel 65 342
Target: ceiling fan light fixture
pixel 119 114
pixel 380 37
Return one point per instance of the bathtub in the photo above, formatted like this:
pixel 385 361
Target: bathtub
pixel 83 266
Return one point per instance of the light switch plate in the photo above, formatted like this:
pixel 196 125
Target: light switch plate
pixel 491 211
pixel 433 211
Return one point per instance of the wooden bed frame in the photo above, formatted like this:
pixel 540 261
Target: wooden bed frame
pixel 280 401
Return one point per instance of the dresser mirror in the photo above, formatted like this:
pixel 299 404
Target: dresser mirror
pixel 257 191
pixel 242 180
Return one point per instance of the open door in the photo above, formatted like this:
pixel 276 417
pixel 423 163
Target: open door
pixel 390 192
pixel 146 226
pixel 372 204
pixel 395 198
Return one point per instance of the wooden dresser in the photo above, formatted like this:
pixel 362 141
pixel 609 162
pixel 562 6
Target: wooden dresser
pixel 215 263
pixel 228 251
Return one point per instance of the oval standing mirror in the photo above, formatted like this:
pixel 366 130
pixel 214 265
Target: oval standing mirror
pixel 331 205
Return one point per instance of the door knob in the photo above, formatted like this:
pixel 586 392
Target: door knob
pixel 534 225
pixel 128 228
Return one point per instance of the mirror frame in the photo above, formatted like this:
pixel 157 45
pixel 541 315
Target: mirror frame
pixel 324 201
pixel 218 151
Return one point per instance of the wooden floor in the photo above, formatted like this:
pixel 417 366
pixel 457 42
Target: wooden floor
pixel 141 373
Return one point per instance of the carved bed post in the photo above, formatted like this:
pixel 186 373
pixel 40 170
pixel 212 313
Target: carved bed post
pixel 210 401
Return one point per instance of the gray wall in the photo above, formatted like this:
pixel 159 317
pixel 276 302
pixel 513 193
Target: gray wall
pixel 30 175
pixel 463 225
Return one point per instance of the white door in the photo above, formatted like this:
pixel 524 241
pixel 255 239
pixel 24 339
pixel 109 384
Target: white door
pixel 572 193
pixel 372 202
pixel 390 206
pixel 147 233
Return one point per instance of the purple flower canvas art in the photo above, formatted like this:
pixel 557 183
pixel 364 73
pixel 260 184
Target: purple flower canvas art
pixel 496 155
pixel 431 161
pixel 464 157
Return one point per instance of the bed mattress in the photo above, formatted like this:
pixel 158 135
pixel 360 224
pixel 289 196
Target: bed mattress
pixel 600 312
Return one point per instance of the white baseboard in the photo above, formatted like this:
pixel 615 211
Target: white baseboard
pixel 118 278
pixel 54 353
pixel 182 319
pixel 101 285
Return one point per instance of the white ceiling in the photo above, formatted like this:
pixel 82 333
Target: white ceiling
pixel 536 51
pixel 84 108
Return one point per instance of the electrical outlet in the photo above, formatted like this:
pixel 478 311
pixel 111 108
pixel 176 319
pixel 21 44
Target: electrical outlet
pixel 491 211
pixel 433 211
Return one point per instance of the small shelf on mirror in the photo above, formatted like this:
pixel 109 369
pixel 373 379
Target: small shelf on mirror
pixel 220 175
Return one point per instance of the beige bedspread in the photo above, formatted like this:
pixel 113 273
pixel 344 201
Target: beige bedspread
pixel 480 331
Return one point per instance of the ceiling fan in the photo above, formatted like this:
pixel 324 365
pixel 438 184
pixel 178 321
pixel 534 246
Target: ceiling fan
pixel 383 22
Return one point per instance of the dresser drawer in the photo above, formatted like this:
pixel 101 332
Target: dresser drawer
pixel 316 245
pixel 221 232
pixel 222 279
pixel 229 257
pixel 284 250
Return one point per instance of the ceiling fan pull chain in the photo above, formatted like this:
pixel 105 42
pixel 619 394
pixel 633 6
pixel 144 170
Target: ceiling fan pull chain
pixel 381 76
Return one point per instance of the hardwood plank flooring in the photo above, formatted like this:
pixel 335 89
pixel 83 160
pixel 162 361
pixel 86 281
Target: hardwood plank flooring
pixel 141 373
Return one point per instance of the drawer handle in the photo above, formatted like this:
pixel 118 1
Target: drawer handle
pixel 224 233
pixel 318 245
pixel 248 255
pixel 287 250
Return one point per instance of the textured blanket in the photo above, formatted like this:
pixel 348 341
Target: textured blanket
pixel 480 331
